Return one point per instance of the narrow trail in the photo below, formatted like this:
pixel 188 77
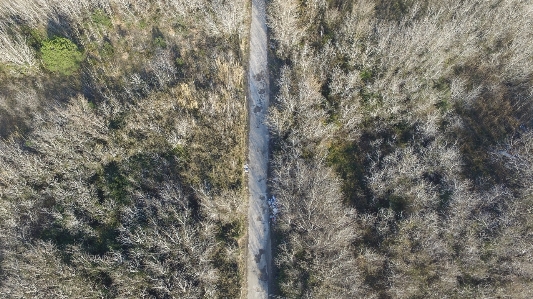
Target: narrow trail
pixel 259 253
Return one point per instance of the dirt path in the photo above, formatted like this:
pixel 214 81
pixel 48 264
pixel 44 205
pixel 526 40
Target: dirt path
pixel 259 254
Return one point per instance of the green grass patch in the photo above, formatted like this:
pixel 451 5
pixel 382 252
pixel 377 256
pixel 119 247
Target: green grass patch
pixel 116 183
pixel 159 42
pixel 366 75
pixel 61 55
pixel 107 50
pixel 443 105
pixel 143 24
pixel 101 18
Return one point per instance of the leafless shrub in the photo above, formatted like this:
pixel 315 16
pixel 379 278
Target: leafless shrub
pixel 15 50
pixel 427 102
pixel 100 170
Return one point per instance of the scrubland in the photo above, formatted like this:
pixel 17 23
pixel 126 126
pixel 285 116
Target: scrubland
pixel 402 148
pixel 122 142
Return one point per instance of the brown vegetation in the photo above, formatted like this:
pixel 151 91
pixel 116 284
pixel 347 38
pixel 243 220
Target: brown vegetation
pixel 401 156
pixel 121 177
pixel 402 148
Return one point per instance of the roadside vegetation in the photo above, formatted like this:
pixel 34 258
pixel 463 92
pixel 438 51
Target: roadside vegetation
pixel 402 148
pixel 122 128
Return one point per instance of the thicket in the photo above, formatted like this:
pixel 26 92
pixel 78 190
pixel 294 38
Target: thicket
pixel 61 55
pixel 401 157
pixel 122 129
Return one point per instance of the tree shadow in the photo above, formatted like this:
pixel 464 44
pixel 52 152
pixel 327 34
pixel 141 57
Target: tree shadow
pixel 15 115
pixel 61 25
pixel 2 272
pixel 10 123
pixel 396 10
pixel 353 162
pixel 496 115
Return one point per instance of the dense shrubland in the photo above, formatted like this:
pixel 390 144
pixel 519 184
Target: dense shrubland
pixel 123 126
pixel 401 148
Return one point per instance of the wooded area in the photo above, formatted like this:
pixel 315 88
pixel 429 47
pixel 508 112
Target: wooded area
pixel 401 138
pixel 123 136
pixel 402 148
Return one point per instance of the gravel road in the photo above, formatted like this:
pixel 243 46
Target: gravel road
pixel 259 253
